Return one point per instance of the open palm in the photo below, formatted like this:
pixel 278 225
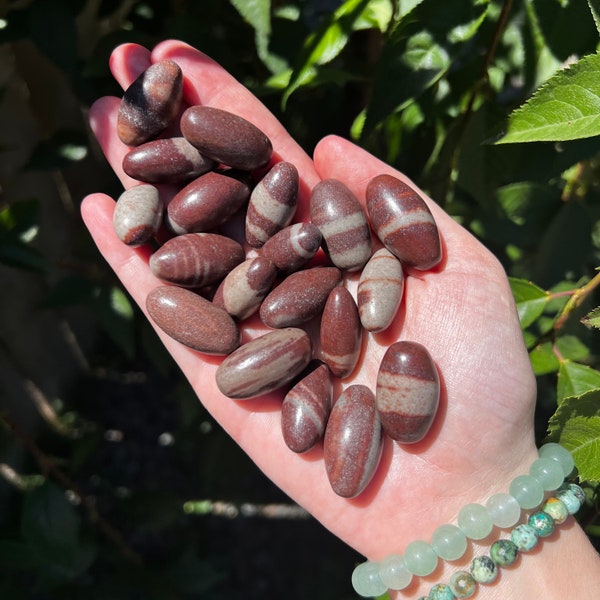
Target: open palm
pixel 463 312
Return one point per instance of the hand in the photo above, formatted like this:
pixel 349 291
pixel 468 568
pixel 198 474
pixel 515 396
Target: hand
pixel 463 312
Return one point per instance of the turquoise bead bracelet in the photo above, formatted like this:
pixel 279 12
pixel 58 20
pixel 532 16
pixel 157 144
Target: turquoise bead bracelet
pixel 475 521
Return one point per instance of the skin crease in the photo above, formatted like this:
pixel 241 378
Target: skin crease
pixel 462 311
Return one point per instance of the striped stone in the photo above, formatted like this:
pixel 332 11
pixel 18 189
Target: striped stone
pixel 305 410
pixel 380 291
pixel 342 221
pixel 407 391
pixel 340 333
pixel 293 246
pixel 353 441
pixel 264 364
pixel 245 287
pixel 403 222
pixel 196 259
pixel 272 203
pixel 138 215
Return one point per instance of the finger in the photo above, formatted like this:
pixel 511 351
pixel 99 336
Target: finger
pixel 127 62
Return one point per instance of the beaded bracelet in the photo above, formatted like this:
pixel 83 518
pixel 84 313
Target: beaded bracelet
pixel 475 522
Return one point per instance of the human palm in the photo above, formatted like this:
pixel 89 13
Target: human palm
pixel 462 312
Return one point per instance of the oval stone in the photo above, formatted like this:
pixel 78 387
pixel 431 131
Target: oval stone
pixel 403 222
pixel 305 410
pixel 196 259
pixel 272 203
pixel 264 364
pixel 226 137
pixel 192 320
pixel 293 246
pixel 380 291
pixel 353 442
pixel 407 392
pixel 167 160
pixel 341 333
pixel 343 223
pixel 150 104
pixel 208 201
pixel 138 215
pixel 245 287
pixel 300 297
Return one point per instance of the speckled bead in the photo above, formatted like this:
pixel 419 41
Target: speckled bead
pixel 380 291
pixel 167 160
pixel 366 580
pixel 196 259
pixel 524 537
pixel 192 320
pixel 542 523
pixel 504 552
pixel 569 499
pixel 264 364
pixel 340 333
pixel 393 572
pixel 528 492
pixel 272 203
pixel 138 215
pixel 462 584
pixel 420 558
pixel 293 246
pixel 407 391
pixel 557 509
pixel 207 202
pixel 483 569
pixel 150 103
pixel 441 591
pixel 245 287
pixel 305 410
pixel 575 489
pixel 343 223
pixel 353 442
pixel 403 222
pixel 300 297
pixel 226 137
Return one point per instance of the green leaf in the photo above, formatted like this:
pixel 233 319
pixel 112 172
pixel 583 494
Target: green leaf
pixel 575 379
pixel 566 107
pixel 543 359
pixel 59 150
pixel 592 319
pixel 576 426
pixel 531 300
pixel 572 348
pixel 116 312
pixel 595 9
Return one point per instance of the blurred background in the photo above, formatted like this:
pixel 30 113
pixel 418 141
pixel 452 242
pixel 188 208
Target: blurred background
pixel 115 483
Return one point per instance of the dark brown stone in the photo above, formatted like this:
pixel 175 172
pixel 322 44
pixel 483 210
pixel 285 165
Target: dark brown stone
pixel 292 247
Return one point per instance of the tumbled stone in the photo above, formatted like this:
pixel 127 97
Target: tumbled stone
pixel 196 259
pixel 300 297
pixel 245 287
pixel 272 203
pixel 265 364
pixel 207 202
pixel 353 442
pixel 305 410
pixel 343 223
pixel 192 320
pixel 407 392
pixel 403 222
pixel 226 137
pixel 380 291
pixel 150 104
pixel 138 215
pixel 292 247
pixel 341 333
pixel 167 160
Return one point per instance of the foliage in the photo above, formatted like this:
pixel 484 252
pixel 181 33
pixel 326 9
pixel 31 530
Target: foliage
pixel 491 106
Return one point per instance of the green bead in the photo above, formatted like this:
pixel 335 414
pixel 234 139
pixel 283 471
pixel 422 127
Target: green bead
pixel 440 591
pixel 524 537
pixel 548 472
pixel 561 455
pixel 462 584
pixel 570 500
pixel 504 552
pixel 556 509
pixel 475 521
pixel 542 522
pixel 503 509
pixel 528 492
pixel 393 572
pixel 577 490
pixel 484 569
pixel 420 559
pixel 366 580
pixel 449 542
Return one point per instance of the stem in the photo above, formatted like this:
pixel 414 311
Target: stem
pixel 575 300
